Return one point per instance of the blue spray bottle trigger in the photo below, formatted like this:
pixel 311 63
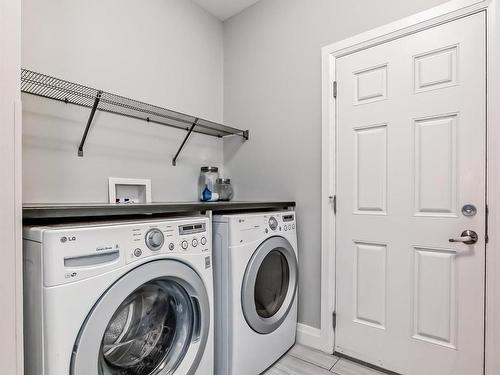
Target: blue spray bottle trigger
pixel 206 196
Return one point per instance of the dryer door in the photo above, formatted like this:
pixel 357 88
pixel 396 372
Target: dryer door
pixel 269 285
pixel 152 321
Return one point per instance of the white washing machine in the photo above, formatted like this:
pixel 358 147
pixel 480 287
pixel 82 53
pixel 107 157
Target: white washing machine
pixel 122 298
pixel 256 276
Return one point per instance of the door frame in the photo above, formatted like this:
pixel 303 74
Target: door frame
pixel 11 315
pixel 433 17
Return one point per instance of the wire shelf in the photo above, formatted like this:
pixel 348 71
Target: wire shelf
pixel 72 93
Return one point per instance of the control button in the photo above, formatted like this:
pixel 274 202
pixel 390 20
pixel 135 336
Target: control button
pixel 293 226
pixel 137 253
pixel 171 246
pixel 289 227
pixel 194 242
pixel 154 239
pixel 286 228
pixel 203 241
pixel 184 244
pixel 273 223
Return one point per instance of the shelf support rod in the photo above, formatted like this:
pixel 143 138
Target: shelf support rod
pixel 89 122
pixel 174 160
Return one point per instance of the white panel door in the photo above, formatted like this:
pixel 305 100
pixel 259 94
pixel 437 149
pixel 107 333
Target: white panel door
pixel 411 133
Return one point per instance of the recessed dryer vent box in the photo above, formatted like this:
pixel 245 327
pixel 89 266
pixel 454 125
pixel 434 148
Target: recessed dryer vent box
pixel 129 190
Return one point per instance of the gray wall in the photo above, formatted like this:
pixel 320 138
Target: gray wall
pixel 263 65
pixel 166 52
pixel 272 85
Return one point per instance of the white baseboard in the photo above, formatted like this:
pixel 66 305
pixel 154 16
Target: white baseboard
pixel 308 336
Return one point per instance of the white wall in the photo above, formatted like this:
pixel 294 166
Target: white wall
pixel 10 189
pixel 272 85
pixel 166 52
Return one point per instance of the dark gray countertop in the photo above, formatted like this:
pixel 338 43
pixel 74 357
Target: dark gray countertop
pixel 99 210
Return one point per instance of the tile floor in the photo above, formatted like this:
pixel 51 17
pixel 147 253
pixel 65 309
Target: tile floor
pixel 301 360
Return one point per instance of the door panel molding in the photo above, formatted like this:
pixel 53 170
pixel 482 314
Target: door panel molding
pixel 436 69
pixel 371 170
pixel 435 299
pixel 440 134
pixel 370 281
pixel 442 14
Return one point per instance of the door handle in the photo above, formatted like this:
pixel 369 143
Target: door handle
pixel 468 237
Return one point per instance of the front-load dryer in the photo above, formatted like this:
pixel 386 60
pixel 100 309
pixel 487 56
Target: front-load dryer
pixel 121 298
pixel 256 275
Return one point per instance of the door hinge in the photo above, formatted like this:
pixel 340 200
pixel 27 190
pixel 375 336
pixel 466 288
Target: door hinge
pixel 334 320
pixel 486 236
pixel 333 201
pixel 334 89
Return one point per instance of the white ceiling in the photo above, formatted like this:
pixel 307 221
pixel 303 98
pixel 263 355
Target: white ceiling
pixel 223 9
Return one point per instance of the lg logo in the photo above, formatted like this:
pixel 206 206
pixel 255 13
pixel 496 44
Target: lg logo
pixel 66 239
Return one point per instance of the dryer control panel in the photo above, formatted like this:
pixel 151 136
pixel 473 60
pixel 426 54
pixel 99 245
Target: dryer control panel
pixel 283 222
pixel 254 227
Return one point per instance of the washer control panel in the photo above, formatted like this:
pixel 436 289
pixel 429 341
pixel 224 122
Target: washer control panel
pixel 170 237
pixel 273 223
pixel 154 239
pixel 75 252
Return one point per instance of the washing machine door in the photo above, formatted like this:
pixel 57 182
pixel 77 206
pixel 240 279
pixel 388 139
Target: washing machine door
pixel 269 285
pixel 153 321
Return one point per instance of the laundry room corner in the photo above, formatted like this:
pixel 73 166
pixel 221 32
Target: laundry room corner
pixel 250 187
pixel 272 86
pixel 116 47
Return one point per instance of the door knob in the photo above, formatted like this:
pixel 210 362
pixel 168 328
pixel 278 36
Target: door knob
pixel 468 237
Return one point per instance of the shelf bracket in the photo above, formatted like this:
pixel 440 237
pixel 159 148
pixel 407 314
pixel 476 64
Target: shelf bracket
pixel 174 160
pixel 89 122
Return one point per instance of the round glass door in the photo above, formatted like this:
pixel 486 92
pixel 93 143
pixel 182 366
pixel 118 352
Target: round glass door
pixel 150 331
pixel 153 321
pixel 269 285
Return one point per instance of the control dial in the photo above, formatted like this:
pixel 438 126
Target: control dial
pixel 273 223
pixel 154 239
